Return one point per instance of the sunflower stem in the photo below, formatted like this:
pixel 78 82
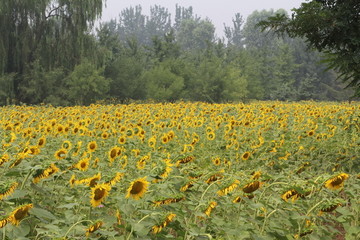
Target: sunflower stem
pixel 266 217
pixel 26 178
pixel 144 218
pixel 4 233
pixel 68 231
pixel 269 187
pixel 128 237
pixel 202 196
pixel 311 209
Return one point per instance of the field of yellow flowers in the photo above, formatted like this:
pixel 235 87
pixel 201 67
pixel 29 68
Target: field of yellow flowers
pixel 263 170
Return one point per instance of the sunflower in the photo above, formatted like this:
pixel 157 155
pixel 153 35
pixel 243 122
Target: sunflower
pixel 251 187
pixel 158 228
pixel 166 201
pixel 116 179
pixel 229 188
pixel 83 164
pixel 152 142
pixel 8 191
pixel 210 136
pixel 4 159
pixel 137 188
pixel 34 150
pixel 41 142
pixel 46 173
pixel 94 227
pixel 256 175
pixel 187 186
pixel 92 181
pixel 18 214
pixel 3 222
pixel 185 160
pixel 164 139
pixel 99 193
pixel 59 128
pixel 187 148
pixel 311 133
pixel 72 180
pixel 105 135
pixel 123 161
pixel 141 164
pixel 135 152
pixel 77 148
pixel 329 208
pixel 118 217
pixel 215 177
pixel 66 145
pixel 209 209
pixel 293 194
pixel 113 153
pixel 92 146
pixel 60 154
pixel 216 161
pixel 122 139
pixel 168 169
pixel 245 156
pixel 336 182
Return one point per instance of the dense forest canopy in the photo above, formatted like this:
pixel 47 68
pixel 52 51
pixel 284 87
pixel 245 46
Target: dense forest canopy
pixel 50 53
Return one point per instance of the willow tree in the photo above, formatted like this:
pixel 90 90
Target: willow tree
pixel 53 33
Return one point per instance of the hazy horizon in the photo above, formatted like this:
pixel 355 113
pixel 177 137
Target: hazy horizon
pixel 219 13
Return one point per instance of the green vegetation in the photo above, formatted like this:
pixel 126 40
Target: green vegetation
pixel 332 27
pixel 49 54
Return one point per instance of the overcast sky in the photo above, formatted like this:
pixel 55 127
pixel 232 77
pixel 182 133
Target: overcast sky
pixel 218 11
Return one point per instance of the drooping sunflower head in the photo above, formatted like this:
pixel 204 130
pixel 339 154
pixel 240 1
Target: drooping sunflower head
pixel 7 190
pixel 336 182
pixel 94 227
pixel 20 213
pixel 137 188
pixel 251 187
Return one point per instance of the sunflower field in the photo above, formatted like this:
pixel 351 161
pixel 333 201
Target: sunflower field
pixel 263 170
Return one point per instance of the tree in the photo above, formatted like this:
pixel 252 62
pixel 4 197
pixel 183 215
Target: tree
pixel 159 21
pixel 132 25
pixel 330 26
pixel 53 33
pixel 234 33
pixel 86 84
pixel 162 84
pixel 195 33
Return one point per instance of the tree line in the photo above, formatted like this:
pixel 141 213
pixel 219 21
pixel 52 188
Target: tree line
pixel 50 54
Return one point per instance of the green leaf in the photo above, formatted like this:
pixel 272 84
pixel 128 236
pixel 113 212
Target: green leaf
pixel 42 213
pixel 140 229
pixel 68 206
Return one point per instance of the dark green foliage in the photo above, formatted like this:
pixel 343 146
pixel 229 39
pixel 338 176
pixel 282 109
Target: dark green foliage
pixel 330 26
pixel 86 84
pixel 47 55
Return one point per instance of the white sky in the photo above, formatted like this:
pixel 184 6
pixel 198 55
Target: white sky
pixel 218 11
